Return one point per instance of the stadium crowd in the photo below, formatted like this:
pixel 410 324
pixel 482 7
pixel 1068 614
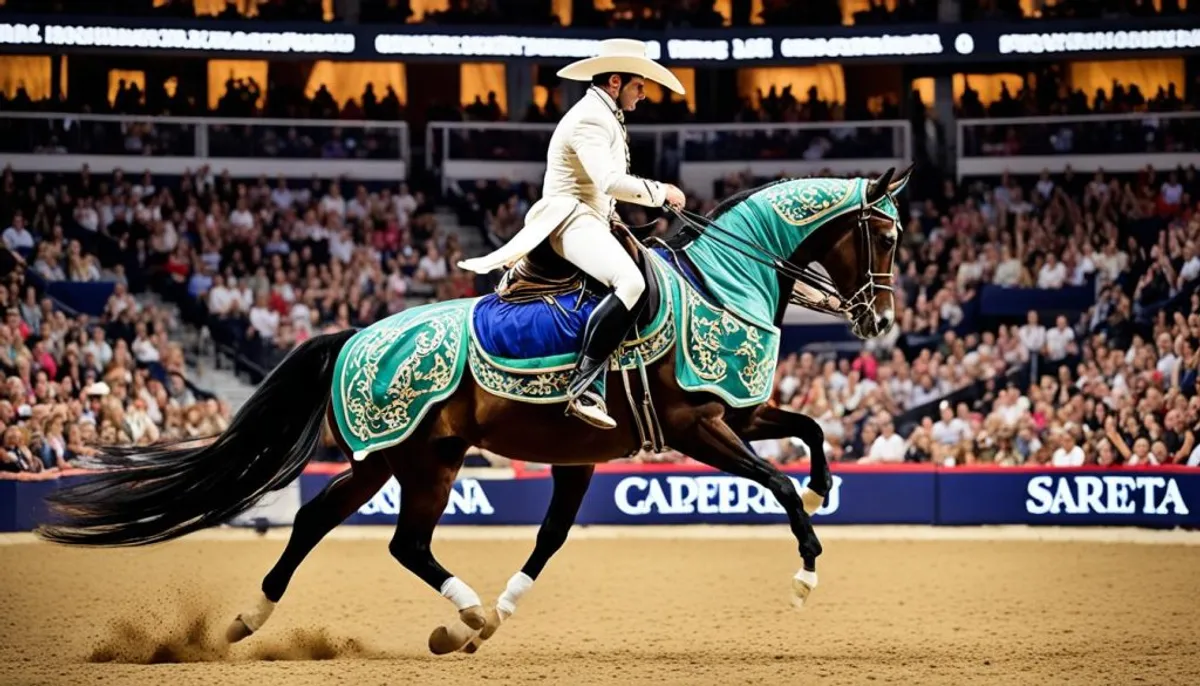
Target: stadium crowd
pixel 1116 384
pixel 265 265
pixel 71 381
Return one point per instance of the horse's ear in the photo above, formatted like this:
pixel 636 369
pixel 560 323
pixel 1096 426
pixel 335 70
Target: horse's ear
pixel 899 184
pixel 878 189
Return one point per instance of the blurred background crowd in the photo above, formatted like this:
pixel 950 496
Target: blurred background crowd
pixel 254 263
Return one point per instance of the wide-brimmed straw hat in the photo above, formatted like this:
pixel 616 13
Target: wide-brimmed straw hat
pixel 625 56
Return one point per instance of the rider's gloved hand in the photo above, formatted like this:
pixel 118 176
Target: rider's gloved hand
pixel 675 197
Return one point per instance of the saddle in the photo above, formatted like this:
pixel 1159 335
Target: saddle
pixel 544 275
pixel 541 274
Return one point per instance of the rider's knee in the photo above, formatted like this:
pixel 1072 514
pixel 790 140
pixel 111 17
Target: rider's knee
pixel 629 285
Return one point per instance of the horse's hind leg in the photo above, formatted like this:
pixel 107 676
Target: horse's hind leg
pixel 426 478
pixel 340 498
pixel 570 485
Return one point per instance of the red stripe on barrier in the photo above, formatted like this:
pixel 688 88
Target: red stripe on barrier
pixel 522 471
pixel 331 468
pixel 1088 469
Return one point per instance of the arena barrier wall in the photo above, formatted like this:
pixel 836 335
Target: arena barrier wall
pixel 667 494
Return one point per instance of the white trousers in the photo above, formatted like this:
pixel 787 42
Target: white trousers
pixel 587 242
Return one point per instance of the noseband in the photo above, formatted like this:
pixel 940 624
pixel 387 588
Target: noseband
pixel 862 302
pixel 824 296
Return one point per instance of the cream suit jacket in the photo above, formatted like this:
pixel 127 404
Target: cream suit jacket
pixel 587 171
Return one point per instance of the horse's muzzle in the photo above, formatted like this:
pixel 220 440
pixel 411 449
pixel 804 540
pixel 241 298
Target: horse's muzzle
pixel 870 325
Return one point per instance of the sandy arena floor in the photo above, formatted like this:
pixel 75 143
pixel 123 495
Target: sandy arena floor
pixel 698 606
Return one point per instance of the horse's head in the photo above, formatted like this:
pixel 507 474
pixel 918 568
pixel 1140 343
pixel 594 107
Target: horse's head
pixel 859 253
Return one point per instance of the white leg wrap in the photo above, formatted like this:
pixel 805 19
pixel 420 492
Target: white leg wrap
pixel 518 586
pixel 812 500
pixel 807 578
pixel 802 585
pixel 255 619
pixel 459 593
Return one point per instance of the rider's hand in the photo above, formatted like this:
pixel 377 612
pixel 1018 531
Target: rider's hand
pixel 675 197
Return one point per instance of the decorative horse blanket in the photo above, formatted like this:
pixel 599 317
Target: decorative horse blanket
pixel 391 374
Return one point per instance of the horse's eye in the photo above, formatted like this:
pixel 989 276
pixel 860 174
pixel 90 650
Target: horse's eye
pixel 887 240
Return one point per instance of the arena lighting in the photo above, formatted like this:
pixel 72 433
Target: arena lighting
pixel 886 45
pixel 1098 41
pixel 458 45
pixel 176 39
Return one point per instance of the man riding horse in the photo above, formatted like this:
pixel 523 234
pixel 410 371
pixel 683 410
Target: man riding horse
pixel 587 172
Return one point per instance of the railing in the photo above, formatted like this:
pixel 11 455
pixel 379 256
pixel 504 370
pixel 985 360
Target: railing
pixel 696 154
pixel 1113 142
pixel 55 143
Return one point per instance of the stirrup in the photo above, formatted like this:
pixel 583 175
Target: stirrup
pixel 590 408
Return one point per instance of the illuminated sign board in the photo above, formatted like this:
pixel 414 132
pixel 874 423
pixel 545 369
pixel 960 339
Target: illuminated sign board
pixel 981 41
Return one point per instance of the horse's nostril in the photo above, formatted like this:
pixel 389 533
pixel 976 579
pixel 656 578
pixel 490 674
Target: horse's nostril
pixel 885 320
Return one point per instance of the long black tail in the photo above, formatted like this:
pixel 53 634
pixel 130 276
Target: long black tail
pixel 157 493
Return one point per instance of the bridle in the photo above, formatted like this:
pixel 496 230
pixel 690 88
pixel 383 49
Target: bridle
pixel 824 296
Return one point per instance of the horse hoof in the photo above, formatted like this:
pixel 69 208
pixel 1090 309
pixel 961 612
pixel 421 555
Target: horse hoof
pixel 449 639
pixel 250 621
pixel 473 646
pixel 488 630
pixel 802 586
pixel 473 617
pixel 237 630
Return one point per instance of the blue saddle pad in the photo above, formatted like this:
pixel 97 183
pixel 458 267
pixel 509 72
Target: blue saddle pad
pixel 520 331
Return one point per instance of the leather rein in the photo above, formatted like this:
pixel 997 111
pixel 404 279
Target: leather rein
pixel 825 296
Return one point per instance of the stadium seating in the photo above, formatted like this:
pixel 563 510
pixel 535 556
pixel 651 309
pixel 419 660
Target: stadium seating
pixel 1050 312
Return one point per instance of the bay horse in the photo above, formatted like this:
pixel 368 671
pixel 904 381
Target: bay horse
pixel 144 495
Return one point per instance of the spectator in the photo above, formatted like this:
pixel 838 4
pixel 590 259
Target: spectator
pixel 1053 273
pixel 888 447
pixel 950 430
pixel 1068 454
pixel 16 237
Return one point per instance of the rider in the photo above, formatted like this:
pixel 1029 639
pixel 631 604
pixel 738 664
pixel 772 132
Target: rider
pixel 587 171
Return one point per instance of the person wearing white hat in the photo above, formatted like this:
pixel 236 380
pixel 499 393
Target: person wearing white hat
pixel 587 171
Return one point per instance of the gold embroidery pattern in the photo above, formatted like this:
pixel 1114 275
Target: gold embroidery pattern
pixel 549 385
pixel 760 362
pixel 651 348
pixel 713 346
pixel 429 370
pixel 809 201
pixel 546 386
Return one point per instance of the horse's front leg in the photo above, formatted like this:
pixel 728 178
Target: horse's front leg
pixel 767 423
pixel 714 443
pixel 570 484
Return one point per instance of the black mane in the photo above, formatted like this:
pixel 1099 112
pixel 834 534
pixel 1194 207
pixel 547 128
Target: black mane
pixel 740 197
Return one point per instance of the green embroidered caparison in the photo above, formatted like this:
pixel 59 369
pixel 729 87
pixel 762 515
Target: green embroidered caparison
pixel 393 372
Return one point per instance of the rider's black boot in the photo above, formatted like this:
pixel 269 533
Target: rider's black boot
pixel 606 328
